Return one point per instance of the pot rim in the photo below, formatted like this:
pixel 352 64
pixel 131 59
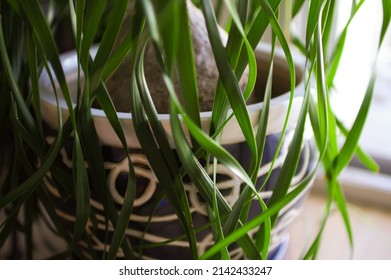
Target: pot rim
pixel 278 104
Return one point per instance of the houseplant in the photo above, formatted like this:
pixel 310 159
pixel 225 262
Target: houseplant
pixel 28 46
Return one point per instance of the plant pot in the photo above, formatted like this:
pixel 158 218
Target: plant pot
pixel 163 224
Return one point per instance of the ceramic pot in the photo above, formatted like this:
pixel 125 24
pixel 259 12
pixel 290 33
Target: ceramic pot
pixel 163 224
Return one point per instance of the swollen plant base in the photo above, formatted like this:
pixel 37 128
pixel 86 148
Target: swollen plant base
pixel 144 229
pixel 119 83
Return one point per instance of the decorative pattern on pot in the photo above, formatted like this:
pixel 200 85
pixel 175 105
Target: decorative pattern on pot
pixel 155 225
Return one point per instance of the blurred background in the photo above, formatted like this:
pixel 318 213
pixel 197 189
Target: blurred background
pixel 368 194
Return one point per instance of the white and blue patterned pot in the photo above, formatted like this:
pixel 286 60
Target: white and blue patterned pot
pixel 163 225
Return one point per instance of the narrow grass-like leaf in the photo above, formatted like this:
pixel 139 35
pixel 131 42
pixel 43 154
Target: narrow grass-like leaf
pixel 263 236
pixel 152 22
pixel 202 180
pixel 173 96
pixel 364 158
pixel 32 180
pixel 17 95
pixel 228 77
pixel 169 25
pixel 297 7
pixel 258 27
pixel 341 203
pixel 289 166
pixel 350 145
pixel 214 215
pixel 298 43
pixel 124 216
pixel 34 14
pixel 33 65
pixel 155 36
pixel 256 221
pixel 313 20
pixel 238 60
pixel 153 154
pixel 252 65
pixel 107 106
pixel 52 154
pixel 328 16
pixel 314 118
pixel 91 19
pixel 243 206
pixel 264 117
pixel 322 93
pixel 333 64
pixel 166 150
pixel 333 138
pixel 120 221
pixel 288 170
pixel 186 69
pixel 292 73
pixel 106 45
pixel 118 57
pixel 234 47
pixel 96 167
pixel 208 143
pixel 82 192
pixel 328 151
pixel 175 190
pixel 79 25
pixel 313 250
pixel 94 160
pixel 323 122
pixel 45 38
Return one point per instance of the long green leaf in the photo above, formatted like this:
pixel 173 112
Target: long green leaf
pixel 313 20
pixel 202 180
pixel 243 206
pixel 255 222
pixel 332 66
pixel 342 206
pixel 109 37
pixel 289 166
pixel 33 67
pixel 228 77
pixel 91 19
pixel 35 16
pixel 364 158
pixel 297 7
pixel 82 193
pixel 52 154
pixel 120 222
pixel 186 69
pixel 234 47
pixel 208 143
pixel 13 83
pixel 161 138
pixel 350 145
pixel 124 217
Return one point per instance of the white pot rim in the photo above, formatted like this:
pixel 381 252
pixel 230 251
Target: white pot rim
pixel 231 133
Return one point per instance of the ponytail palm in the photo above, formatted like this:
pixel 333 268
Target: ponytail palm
pixel 30 40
